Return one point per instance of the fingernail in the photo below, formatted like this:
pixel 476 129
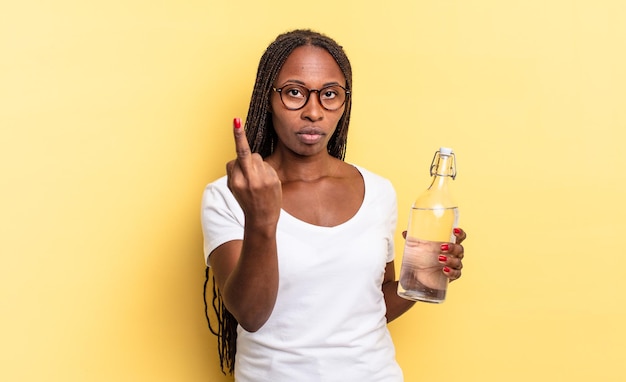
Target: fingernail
pixel 443 258
pixel 237 123
pixel 446 269
pixel 445 247
pixel 457 231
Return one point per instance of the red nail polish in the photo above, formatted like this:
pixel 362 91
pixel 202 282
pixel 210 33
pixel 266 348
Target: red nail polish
pixel 443 258
pixel 445 247
pixel 446 269
pixel 457 231
pixel 237 123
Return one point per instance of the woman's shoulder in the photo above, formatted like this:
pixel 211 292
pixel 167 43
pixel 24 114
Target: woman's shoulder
pixel 370 176
pixel 217 190
pixel 376 182
pixel 219 183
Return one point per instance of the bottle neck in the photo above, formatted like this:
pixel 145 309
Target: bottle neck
pixel 442 170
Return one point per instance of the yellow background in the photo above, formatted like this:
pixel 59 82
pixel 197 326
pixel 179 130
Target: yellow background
pixel 114 115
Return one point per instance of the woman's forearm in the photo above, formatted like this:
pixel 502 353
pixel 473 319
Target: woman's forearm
pixel 396 305
pixel 251 288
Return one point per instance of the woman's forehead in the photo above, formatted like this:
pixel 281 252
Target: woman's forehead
pixel 311 64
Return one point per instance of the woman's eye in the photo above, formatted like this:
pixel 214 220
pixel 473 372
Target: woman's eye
pixel 328 94
pixel 294 92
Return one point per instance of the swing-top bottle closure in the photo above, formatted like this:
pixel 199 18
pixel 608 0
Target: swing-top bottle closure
pixel 434 165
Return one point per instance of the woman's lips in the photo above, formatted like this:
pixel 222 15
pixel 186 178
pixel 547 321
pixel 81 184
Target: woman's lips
pixel 310 135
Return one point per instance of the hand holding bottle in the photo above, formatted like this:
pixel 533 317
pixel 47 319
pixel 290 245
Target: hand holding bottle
pixel 451 255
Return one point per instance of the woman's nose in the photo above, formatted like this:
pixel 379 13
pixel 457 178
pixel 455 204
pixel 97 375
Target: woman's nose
pixel 313 110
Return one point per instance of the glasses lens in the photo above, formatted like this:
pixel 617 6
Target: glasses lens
pixel 294 96
pixel 332 97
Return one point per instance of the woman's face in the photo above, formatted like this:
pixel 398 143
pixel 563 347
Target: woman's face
pixel 306 131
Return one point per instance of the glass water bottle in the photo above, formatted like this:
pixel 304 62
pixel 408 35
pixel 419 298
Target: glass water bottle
pixel 433 217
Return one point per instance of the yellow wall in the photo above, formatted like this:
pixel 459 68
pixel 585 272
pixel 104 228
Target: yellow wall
pixel 113 116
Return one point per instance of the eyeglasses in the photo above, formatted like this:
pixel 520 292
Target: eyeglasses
pixel 294 96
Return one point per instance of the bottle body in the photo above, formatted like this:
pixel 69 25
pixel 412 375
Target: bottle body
pixel 433 217
pixel 421 275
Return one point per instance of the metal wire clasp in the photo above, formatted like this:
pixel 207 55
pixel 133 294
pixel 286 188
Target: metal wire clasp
pixel 450 171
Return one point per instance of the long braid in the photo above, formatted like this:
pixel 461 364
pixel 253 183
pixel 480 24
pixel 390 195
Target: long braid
pixel 226 330
pixel 261 136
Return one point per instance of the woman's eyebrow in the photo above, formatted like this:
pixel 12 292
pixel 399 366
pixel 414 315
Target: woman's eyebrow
pixel 303 84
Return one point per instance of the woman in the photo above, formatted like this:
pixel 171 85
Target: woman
pixel 300 242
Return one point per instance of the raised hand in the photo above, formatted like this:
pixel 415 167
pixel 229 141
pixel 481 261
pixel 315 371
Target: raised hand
pixel 253 182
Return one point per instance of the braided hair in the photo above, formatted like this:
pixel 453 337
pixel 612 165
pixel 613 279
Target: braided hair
pixel 262 137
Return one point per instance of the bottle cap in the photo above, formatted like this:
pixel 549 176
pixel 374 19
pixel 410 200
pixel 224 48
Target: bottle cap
pixel 445 151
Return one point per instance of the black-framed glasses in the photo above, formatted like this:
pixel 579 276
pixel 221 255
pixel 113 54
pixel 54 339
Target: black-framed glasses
pixel 295 96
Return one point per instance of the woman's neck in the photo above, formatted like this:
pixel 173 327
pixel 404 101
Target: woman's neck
pixel 292 168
